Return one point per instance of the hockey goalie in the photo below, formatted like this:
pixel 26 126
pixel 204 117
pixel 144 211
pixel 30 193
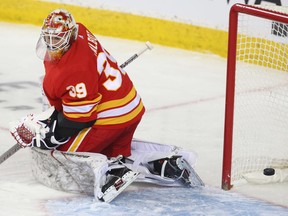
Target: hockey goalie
pixel 84 141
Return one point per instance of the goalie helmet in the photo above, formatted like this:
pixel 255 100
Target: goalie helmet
pixel 58 32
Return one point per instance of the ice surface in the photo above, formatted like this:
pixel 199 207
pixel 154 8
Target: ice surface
pixel 184 95
pixel 172 201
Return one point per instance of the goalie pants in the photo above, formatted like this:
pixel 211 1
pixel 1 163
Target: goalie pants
pixel 110 142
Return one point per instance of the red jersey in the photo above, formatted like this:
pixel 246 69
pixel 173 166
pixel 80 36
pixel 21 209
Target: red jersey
pixel 87 84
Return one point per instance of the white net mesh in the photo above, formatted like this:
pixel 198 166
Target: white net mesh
pixel 260 133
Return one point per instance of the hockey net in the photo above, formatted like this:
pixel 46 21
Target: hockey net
pixel 256 115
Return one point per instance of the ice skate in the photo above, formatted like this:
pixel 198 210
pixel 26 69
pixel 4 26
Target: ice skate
pixel 177 168
pixel 118 180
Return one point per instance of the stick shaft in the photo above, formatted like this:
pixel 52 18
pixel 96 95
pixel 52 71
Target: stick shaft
pixel 136 55
pixel 9 153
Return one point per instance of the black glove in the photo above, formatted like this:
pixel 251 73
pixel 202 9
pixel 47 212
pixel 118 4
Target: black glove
pixel 48 141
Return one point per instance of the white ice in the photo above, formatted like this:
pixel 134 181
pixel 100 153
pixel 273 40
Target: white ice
pixel 184 95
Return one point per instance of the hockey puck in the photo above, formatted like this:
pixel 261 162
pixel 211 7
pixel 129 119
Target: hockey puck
pixel 269 171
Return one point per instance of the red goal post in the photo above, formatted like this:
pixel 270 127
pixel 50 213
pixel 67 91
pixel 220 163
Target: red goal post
pixel 256 117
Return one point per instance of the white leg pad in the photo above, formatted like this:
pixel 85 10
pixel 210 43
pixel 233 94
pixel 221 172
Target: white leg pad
pixel 70 172
pixel 144 152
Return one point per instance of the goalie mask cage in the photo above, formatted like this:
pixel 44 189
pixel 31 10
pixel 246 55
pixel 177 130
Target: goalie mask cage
pixel 256 112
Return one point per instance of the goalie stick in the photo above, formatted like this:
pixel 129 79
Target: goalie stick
pixel 16 147
pixel 136 55
pixel 9 153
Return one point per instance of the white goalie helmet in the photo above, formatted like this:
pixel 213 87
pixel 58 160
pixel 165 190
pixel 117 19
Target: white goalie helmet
pixel 58 32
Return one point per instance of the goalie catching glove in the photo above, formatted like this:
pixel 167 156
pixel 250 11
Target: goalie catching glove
pixel 37 130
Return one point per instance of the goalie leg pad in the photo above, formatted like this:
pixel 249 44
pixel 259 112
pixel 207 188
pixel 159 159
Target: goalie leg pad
pixel 165 165
pixel 70 172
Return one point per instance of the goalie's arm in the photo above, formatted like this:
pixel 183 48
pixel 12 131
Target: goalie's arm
pixel 66 128
pixel 46 130
pixel 60 130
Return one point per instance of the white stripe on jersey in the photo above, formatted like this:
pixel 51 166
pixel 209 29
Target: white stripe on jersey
pixel 79 109
pixel 122 110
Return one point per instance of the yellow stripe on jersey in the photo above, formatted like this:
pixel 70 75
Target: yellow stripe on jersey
pixel 119 111
pixel 121 119
pixel 78 140
pixel 80 115
pixel 79 103
pixel 80 109
pixel 117 103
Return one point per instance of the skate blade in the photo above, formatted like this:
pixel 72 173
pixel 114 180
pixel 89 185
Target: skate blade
pixel 194 179
pixel 112 192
